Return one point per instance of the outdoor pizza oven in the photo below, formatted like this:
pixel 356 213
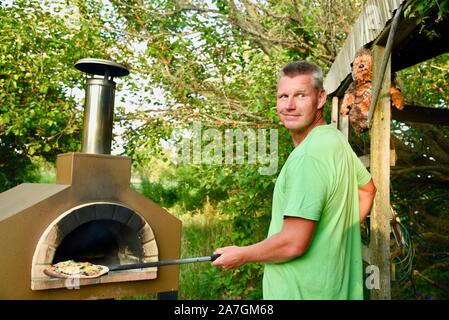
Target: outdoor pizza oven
pixel 90 214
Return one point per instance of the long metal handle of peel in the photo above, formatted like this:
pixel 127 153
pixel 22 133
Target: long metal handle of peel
pixel 163 263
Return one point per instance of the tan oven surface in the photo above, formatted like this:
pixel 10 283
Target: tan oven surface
pixel 35 219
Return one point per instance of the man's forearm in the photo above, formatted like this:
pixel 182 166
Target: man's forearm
pixel 273 249
pixel 366 199
pixel 292 241
pixel 365 204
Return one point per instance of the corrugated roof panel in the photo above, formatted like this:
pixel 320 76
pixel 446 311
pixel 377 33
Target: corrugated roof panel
pixel 367 27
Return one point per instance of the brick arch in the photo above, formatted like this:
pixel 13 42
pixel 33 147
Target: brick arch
pixel 78 216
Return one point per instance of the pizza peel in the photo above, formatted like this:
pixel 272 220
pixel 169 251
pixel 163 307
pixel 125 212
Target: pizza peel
pixel 51 273
pixel 163 263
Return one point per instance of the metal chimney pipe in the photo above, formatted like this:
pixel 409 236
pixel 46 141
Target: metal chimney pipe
pixel 99 103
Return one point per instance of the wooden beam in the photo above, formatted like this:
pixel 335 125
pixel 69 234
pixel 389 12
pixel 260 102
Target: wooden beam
pixel 334 112
pixel 382 67
pixel 367 258
pixel 380 171
pixel 366 254
pixel 421 114
pixel 366 159
pixel 343 126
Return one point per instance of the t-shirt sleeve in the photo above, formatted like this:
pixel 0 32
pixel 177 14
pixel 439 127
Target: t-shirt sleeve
pixel 363 176
pixel 305 188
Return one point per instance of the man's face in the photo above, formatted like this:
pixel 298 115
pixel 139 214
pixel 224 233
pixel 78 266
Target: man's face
pixel 298 102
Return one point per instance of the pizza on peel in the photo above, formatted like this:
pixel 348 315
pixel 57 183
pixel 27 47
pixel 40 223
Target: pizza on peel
pixel 72 269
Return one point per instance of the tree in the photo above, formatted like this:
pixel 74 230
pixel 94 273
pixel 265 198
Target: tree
pixel 40 116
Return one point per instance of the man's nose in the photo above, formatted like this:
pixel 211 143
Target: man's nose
pixel 291 103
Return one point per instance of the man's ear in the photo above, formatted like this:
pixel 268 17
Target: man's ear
pixel 322 99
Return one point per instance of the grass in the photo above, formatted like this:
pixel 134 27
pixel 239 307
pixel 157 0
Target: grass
pixel 201 234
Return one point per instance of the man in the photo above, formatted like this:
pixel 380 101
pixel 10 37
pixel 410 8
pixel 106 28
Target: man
pixel 323 193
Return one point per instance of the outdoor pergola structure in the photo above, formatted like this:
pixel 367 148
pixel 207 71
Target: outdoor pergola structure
pixel 396 43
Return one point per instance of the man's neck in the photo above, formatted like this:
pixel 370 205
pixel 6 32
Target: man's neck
pixel 299 137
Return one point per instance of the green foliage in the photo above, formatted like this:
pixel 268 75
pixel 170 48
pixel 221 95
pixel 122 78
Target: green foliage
pixel 425 84
pixel 424 10
pixel 14 168
pixel 162 195
pixel 427 14
pixel 39 115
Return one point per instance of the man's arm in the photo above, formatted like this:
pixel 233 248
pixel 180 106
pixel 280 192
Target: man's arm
pixel 366 198
pixel 292 241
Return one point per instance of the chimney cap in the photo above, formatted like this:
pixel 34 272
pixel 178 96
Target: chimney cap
pixel 101 67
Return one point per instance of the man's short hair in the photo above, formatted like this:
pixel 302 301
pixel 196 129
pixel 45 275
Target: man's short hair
pixel 297 68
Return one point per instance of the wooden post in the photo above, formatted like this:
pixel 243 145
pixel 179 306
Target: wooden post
pixel 334 112
pixel 380 171
pixel 343 125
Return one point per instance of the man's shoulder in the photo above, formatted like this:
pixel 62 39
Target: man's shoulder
pixel 327 140
pixel 328 132
pixel 323 142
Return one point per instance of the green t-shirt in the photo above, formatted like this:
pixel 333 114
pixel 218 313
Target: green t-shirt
pixel 320 181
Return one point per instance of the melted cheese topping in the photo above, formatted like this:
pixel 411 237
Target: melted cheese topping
pixel 72 267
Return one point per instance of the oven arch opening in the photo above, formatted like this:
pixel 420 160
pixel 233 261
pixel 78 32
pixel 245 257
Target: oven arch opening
pixel 101 233
pixel 105 242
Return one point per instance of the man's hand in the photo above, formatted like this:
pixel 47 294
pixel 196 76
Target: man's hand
pixel 230 257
